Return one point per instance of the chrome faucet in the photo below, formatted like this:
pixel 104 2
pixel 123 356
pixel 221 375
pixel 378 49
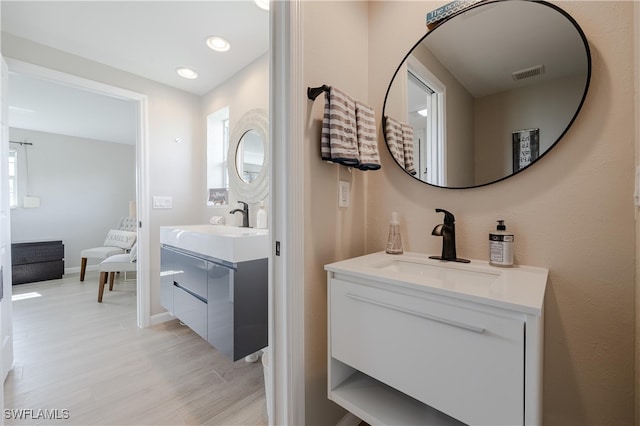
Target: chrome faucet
pixel 245 213
pixel 447 231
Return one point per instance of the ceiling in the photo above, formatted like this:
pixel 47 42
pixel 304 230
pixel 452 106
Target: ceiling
pixel 146 38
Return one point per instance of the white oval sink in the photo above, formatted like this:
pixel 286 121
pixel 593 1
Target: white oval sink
pixel 231 243
pixel 446 275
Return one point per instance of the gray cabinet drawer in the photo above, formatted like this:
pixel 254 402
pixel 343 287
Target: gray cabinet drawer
pixel 191 310
pixel 190 273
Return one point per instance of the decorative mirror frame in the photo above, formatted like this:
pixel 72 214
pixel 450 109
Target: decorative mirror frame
pixel 436 27
pixel 257 120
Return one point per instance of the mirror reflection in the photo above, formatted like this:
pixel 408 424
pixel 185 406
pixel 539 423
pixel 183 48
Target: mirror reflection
pixel 250 156
pixel 486 93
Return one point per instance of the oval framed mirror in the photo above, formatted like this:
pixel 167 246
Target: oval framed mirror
pixel 486 93
pixel 248 156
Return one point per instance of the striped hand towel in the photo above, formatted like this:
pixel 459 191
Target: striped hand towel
pixel 407 146
pixel 393 132
pixel 339 142
pixel 325 139
pixel 366 135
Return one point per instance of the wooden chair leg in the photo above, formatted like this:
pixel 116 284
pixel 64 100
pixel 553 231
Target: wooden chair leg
pixel 111 277
pixel 103 281
pixel 83 267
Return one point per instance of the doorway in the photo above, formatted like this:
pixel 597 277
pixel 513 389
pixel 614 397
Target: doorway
pixel 140 102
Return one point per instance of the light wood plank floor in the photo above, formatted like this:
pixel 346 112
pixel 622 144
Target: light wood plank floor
pixel 72 353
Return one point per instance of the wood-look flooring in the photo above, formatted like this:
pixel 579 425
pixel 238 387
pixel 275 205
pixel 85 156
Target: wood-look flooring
pixel 88 358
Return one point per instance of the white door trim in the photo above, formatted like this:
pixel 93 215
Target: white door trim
pixel 6 306
pixel 286 295
pixel 142 162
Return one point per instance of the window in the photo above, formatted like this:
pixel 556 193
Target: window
pixel 13 178
pixel 217 148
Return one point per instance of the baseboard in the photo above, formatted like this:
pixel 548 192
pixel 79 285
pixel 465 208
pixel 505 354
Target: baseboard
pixel 349 420
pixel 160 318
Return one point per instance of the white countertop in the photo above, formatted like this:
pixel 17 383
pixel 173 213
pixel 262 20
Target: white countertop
pixel 231 243
pixel 519 288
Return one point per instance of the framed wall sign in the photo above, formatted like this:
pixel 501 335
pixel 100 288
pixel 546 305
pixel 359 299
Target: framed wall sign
pixel 218 197
pixel 526 147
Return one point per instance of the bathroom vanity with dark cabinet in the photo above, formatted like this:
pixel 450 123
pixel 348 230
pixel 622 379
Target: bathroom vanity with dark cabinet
pixel 225 303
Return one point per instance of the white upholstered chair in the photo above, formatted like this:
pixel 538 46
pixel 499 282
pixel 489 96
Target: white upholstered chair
pixel 127 224
pixel 117 263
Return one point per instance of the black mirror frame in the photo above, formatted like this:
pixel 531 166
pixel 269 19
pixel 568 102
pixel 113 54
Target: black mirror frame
pixel 440 24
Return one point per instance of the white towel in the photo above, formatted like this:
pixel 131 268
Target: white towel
pixel 407 146
pixel 367 140
pixel 393 133
pixel 339 141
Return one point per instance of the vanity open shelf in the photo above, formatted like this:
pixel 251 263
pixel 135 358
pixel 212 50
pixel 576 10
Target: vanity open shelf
pixel 379 403
pixel 419 341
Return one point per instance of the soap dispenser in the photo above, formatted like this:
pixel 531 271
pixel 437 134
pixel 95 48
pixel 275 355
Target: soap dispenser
pixel 261 217
pixel 501 246
pixel 394 242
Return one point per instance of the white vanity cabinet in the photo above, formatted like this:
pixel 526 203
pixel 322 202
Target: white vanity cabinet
pixel 419 341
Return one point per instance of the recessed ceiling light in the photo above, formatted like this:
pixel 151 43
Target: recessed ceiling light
pixel 218 44
pixel 187 73
pixel 262 4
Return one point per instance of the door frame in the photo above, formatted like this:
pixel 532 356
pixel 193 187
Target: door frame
pixel 143 299
pixel 286 279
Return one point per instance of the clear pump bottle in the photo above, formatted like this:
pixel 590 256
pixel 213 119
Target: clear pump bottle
pixel 394 242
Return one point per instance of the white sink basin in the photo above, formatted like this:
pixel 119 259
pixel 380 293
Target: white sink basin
pixel 444 274
pixel 520 288
pixel 231 243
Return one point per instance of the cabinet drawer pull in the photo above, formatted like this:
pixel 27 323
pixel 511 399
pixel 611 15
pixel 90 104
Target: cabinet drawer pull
pixel 416 314
pixel 186 290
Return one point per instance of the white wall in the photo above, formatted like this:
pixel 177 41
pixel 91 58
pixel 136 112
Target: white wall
pixel 528 108
pixel 84 188
pixel 336 52
pixel 174 169
pixel 246 90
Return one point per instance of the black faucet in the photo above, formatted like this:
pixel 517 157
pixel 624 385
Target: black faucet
pixel 447 231
pixel 245 213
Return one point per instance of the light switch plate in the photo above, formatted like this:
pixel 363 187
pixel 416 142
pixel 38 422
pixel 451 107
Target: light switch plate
pixel 162 202
pixel 344 194
pixel 31 202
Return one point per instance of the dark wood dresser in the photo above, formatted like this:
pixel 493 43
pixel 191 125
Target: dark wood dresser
pixel 37 261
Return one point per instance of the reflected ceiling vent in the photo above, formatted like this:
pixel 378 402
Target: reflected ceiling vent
pixel 528 72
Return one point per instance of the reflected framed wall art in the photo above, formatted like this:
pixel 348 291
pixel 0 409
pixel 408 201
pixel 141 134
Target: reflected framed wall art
pixel 526 147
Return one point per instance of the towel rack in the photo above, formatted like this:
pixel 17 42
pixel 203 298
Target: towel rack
pixel 314 92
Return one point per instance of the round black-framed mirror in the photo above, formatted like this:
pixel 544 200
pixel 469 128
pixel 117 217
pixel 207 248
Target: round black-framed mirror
pixel 486 93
